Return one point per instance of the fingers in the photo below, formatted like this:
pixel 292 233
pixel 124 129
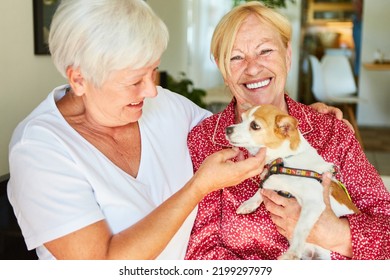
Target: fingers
pixel 284 212
pixel 336 112
pixel 325 109
pixel 252 165
pixel 273 197
pixel 219 170
pixel 279 205
pixel 276 210
pixel 326 182
pixel 333 111
pixel 240 155
pixel 350 126
pixel 316 106
pixel 261 153
pixel 326 179
pixel 227 154
pixel 320 107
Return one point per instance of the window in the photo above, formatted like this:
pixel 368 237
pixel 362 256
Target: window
pixel 203 16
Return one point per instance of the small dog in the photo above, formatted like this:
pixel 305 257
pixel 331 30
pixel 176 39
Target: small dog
pixel 293 167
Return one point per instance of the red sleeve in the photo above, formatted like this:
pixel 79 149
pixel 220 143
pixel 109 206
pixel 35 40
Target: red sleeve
pixel 370 230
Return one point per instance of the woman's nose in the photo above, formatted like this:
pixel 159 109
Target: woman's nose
pixel 253 66
pixel 149 88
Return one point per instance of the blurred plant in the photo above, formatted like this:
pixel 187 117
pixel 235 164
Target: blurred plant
pixel 184 86
pixel 268 3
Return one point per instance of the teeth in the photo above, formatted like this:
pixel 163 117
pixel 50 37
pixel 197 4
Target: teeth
pixel 135 103
pixel 258 85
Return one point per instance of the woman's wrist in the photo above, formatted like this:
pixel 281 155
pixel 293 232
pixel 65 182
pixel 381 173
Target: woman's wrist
pixel 343 244
pixel 195 188
pixel 337 237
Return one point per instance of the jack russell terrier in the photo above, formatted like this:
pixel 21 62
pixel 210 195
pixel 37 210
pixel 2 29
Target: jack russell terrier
pixel 294 168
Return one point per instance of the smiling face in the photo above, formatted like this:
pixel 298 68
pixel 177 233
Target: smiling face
pixel 119 100
pixel 259 64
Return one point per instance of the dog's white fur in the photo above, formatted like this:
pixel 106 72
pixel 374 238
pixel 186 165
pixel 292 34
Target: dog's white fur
pixel 267 126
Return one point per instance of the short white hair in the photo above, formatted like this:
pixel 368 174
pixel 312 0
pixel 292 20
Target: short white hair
pixel 102 36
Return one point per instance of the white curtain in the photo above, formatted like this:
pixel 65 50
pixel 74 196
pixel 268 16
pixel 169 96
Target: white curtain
pixel 203 16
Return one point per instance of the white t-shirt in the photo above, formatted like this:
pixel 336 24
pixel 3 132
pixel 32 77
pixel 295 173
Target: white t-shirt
pixel 60 182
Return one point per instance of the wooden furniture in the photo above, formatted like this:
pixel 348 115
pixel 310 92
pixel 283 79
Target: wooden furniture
pixel 323 11
pixel 377 66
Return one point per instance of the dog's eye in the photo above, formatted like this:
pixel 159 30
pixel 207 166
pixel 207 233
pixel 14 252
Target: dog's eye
pixel 255 126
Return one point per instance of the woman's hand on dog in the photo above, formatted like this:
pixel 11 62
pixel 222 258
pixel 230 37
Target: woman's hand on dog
pixel 219 170
pixel 330 232
pixel 284 211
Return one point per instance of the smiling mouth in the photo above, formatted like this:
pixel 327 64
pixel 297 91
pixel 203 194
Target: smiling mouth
pixel 135 103
pixel 258 84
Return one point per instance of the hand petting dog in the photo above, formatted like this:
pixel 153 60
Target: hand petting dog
pixel 285 212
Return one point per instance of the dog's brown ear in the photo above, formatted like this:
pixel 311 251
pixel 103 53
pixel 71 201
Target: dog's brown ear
pixel 286 124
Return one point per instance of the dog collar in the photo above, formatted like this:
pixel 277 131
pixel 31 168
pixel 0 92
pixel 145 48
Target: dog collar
pixel 277 167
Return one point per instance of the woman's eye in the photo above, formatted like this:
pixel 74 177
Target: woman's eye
pixel 255 126
pixel 237 57
pixel 266 52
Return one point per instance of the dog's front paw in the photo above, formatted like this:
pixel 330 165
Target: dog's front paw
pixel 247 207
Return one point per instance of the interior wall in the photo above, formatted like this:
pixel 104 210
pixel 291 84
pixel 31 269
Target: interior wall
pixel 174 15
pixel 25 78
pixel 374 86
pixel 293 13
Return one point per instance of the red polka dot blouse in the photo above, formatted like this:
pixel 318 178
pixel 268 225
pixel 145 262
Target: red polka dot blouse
pixel 220 233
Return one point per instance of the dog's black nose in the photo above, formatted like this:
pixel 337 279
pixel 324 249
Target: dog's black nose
pixel 229 130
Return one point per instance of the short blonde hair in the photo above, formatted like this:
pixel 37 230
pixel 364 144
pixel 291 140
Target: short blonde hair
pixel 227 28
pixel 102 36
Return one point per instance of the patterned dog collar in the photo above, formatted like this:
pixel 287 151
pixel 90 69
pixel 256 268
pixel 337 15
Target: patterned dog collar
pixel 277 167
